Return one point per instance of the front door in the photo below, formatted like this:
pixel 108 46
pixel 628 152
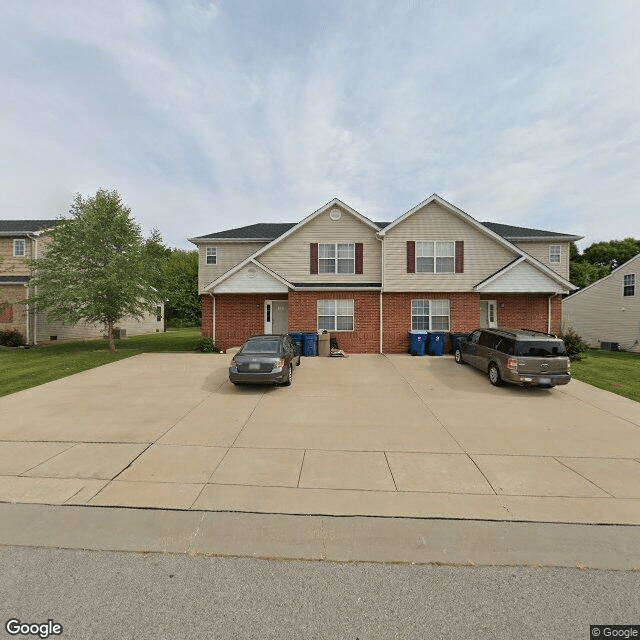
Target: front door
pixel 488 314
pixel 276 316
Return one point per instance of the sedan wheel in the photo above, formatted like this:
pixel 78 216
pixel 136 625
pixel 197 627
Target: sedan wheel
pixel 494 375
pixel 289 376
pixel 458 356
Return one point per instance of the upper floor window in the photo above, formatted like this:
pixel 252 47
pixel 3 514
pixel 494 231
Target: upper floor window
pixel 554 253
pixel 435 257
pixel 336 258
pixel 212 255
pixel 19 248
pixel 629 285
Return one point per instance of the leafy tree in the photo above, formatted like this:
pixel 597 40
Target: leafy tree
pixel 613 253
pixel 96 267
pixel 582 274
pixel 180 285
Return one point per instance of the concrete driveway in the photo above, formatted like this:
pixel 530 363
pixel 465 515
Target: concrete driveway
pixel 366 435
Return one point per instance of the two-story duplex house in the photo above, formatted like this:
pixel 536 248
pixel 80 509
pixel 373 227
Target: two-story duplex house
pixel 369 283
pixel 20 242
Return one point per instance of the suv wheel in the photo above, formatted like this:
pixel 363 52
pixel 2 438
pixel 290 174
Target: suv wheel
pixel 494 375
pixel 458 356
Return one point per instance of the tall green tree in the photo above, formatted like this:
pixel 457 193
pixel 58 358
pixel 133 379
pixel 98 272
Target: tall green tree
pixel 613 253
pixel 96 268
pixel 180 284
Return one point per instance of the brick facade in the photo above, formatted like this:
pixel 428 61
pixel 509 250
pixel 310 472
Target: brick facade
pixel 239 316
pixel 365 337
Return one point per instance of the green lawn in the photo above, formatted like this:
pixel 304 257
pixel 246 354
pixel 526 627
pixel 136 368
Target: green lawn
pixel 618 372
pixel 25 368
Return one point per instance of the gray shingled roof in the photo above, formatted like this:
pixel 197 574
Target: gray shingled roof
pixel 25 226
pixel 513 233
pixel 272 230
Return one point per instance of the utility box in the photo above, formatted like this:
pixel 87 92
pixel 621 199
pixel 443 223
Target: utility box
pixel 324 345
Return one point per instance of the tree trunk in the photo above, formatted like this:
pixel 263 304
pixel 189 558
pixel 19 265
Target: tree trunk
pixel 112 344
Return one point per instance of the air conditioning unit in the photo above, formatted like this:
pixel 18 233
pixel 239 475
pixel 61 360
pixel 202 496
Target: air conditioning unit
pixel 610 346
pixel 119 334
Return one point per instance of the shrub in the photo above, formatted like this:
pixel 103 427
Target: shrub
pixel 11 338
pixel 574 344
pixel 207 345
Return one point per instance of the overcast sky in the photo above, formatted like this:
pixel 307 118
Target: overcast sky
pixel 211 115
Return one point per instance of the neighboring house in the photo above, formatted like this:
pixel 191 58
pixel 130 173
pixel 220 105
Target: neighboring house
pixel 608 310
pixel 24 240
pixel 368 283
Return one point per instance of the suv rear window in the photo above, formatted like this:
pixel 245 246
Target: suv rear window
pixel 541 348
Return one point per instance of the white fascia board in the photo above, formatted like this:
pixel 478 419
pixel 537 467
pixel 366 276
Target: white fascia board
pixel 213 285
pixel 291 231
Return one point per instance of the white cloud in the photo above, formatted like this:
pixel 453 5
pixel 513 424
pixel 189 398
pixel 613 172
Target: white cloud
pixel 208 115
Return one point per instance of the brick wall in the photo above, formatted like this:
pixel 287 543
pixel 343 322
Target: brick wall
pixel 528 311
pixel 14 316
pixel 206 326
pixel 365 337
pixel 464 309
pixel 238 317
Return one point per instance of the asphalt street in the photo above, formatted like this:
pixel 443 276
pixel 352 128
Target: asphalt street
pixel 119 595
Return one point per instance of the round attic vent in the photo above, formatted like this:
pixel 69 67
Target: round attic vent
pixel 252 272
pixel 335 214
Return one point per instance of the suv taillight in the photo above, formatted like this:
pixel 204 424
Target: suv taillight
pixel 512 364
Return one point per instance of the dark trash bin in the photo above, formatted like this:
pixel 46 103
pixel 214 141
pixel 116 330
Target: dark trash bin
pixel 296 338
pixel 310 344
pixel 419 341
pixel 455 337
pixel 436 344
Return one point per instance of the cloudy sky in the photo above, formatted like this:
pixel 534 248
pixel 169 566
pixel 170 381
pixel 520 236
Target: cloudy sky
pixel 210 115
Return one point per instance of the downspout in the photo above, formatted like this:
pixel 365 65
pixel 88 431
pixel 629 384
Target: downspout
pixel 381 290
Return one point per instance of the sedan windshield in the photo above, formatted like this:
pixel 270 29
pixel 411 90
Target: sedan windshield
pixel 541 349
pixel 262 346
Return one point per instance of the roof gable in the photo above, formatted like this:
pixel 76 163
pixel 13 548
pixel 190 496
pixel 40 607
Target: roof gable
pixel 624 266
pixel 522 276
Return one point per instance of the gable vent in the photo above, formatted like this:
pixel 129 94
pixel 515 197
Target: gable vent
pixel 335 214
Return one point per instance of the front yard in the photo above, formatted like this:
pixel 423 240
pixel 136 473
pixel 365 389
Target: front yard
pixel 24 368
pixel 612 371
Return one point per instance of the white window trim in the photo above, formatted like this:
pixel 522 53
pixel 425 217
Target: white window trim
pixel 555 251
pixel 335 260
pixel 23 242
pixel 632 284
pixel 335 315
pixel 434 243
pixel 214 253
pixel 431 315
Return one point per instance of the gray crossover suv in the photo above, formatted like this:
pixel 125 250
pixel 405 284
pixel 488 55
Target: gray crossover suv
pixel 518 356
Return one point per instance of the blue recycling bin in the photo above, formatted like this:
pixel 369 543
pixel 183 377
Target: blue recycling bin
pixel 419 341
pixel 436 344
pixel 296 338
pixel 310 344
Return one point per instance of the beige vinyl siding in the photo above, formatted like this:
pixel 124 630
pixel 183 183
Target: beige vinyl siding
pixel 10 265
pixel 540 251
pixel 291 258
pixel 83 330
pixel 483 256
pixel 229 254
pixel 601 313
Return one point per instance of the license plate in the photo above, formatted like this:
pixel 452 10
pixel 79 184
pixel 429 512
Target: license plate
pixel 544 380
pixel 254 366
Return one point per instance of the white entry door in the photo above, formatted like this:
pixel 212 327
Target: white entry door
pixel 276 316
pixel 488 314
